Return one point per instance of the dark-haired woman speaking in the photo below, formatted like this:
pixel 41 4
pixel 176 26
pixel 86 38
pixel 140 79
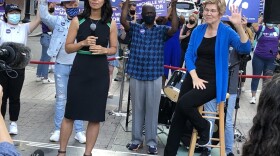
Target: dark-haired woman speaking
pixel 88 83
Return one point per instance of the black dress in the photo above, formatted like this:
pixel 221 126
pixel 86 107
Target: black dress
pixel 88 83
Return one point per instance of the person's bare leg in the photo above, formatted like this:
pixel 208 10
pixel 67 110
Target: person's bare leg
pixel 91 135
pixel 65 133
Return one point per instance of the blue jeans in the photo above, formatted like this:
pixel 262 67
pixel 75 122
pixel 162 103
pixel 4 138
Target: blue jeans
pixel 261 66
pixel 61 74
pixel 229 131
pixel 42 69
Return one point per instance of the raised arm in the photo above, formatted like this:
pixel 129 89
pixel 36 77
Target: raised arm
pixel 46 17
pixel 174 20
pixel 124 13
pixel 236 20
pixel 34 23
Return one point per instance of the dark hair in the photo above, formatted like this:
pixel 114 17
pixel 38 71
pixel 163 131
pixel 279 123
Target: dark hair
pixel 132 4
pixel 106 11
pixel 5 18
pixel 264 136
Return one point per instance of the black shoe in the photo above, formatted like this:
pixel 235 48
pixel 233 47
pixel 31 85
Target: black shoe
pixel 205 152
pixel 205 135
pixel 38 152
pixel 152 150
pixel 230 154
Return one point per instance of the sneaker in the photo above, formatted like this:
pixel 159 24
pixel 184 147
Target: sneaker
pixel 230 154
pixel 253 100
pixel 48 81
pixel 205 152
pixel 134 147
pixel 152 150
pixel 118 79
pixel 38 152
pixel 242 89
pixel 110 95
pixel 80 136
pixel 55 136
pixel 205 135
pixel 39 79
pixel 13 128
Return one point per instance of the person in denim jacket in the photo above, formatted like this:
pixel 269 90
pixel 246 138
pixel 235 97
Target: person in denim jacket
pixel 63 64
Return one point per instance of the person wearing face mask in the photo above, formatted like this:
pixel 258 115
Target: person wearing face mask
pixel 63 63
pixel 265 52
pixel 42 69
pixel 11 30
pixel 124 39
pixel 145 68
pixel 172 50
pixel 185 35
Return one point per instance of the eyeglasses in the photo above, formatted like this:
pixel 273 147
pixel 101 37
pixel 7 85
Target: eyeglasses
pixel 211 11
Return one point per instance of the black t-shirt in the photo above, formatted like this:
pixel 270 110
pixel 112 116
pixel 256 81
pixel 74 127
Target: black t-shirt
pixel 205 63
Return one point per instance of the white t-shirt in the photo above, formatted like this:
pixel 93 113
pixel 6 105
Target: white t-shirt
pixel 14 33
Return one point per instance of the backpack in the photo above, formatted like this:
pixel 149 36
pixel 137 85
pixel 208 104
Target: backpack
pixel 257 37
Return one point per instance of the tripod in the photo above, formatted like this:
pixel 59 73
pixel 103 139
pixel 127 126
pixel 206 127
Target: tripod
pixel 238 136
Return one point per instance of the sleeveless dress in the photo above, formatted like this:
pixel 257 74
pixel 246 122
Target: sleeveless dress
pixel 88 83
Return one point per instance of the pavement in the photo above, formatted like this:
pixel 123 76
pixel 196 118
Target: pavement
pixel 35 122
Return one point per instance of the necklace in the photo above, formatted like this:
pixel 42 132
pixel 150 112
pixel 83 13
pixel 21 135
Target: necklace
pixel 93 25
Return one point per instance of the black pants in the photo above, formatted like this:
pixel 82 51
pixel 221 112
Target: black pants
pixel 11 90
pixel 186 109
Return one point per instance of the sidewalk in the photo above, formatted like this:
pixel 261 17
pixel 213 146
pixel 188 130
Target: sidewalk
pixel 37 110
pixel 36 122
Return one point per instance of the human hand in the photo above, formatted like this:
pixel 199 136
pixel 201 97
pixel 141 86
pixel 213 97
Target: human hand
pixel 235 17
pixel 98 50
pixel 199 83
pixel 173 3
pixel 89 41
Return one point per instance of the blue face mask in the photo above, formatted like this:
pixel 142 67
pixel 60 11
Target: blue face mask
pixel 72 12
pixel 269 24
pixel 13 18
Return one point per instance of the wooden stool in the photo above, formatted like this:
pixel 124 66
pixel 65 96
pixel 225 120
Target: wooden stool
pixel 221 139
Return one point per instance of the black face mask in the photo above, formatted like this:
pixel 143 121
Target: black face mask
pixel 51 10
pixel 191 21
pixel 149 19
pixel 132 12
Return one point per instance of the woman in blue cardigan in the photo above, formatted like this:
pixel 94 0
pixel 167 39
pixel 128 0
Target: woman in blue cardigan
pixel 207 64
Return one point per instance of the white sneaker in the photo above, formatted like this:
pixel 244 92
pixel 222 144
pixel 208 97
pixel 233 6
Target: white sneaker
pixel 48 81
pixel 39 79
pixel 80 136
pixel 13 128
pixel 253 100
pixel 55 136
pixel 110 95
pixel 243 89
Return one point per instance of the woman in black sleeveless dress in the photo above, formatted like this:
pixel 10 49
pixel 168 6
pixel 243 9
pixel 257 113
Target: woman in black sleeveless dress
pixel 89 78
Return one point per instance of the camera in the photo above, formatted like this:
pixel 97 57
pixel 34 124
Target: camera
pixel 245 57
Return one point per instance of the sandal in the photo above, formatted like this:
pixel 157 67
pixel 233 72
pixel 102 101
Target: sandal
pixel 61 152
pixel 88 155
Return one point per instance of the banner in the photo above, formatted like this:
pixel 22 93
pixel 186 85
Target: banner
pixel 2 12
pixel 250 9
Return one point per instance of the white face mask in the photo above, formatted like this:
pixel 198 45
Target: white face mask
pixel 13 18
pixel 269 24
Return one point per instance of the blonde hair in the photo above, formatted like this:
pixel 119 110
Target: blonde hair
pixel 221 5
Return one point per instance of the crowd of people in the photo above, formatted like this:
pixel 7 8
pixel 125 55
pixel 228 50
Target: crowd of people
pixel 82 41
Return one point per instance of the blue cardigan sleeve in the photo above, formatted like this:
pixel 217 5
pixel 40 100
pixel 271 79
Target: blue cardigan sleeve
pixel 243 48
pixel 190 55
